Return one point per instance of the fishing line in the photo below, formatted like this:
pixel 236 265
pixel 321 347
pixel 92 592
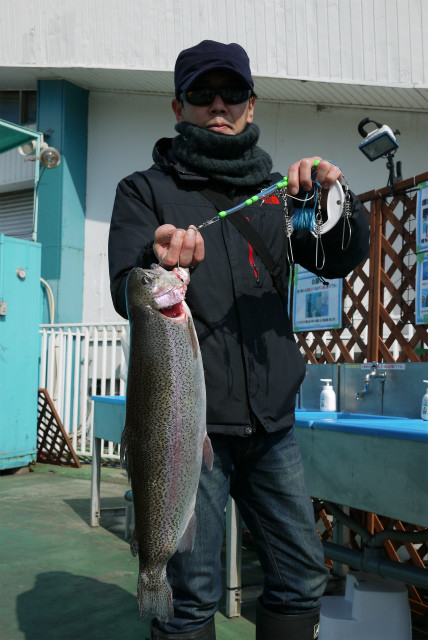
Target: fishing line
pixel 307 215
pixel 259 196
pixel 304 217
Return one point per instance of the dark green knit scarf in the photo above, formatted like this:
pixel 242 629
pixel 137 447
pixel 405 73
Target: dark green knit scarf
pixel 228 159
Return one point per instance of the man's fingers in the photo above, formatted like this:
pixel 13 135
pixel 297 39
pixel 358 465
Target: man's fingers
pixel 301 174
pixel 172 258
pixel 176 246
pixel 192 250
pixel 327 174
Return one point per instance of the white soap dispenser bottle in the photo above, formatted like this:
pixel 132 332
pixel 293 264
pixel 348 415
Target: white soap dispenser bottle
pixel 327 397
pixel 424 407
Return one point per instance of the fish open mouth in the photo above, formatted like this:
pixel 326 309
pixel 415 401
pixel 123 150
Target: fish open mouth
pixel 168 291
pixel 175 311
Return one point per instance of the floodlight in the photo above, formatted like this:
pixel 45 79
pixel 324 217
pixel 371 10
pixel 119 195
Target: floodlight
pixel 50 158
pixel 379 142
pixel 29 148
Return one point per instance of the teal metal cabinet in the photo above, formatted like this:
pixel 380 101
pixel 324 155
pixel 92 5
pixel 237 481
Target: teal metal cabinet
pixel 19 350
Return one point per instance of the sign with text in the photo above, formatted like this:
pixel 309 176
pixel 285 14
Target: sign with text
pixel 421 289
pixel 317 304
pixel 422 219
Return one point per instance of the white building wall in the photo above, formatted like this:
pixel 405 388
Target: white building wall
pixel 121 133
pixel 359 41
pixel 16 171
pixel 124 127
pixel 344 45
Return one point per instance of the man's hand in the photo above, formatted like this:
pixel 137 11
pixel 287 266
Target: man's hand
pixel 174 246
pixel 300 176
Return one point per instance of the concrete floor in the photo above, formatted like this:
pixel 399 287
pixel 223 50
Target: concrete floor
pixel 61 579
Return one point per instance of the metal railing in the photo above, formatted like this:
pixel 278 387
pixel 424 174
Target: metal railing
pixel 78 361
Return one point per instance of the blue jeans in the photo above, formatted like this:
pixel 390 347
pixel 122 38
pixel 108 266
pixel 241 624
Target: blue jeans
pixel 264 474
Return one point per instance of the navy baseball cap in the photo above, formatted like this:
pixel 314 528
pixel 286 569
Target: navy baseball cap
pixel 208 55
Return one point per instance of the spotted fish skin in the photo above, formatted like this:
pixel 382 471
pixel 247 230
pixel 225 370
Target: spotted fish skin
pixel 165 437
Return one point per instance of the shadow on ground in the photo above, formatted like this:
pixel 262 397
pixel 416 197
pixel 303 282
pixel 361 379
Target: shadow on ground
pixel 82 608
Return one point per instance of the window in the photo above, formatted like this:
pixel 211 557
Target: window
pixel 16 213
pixel 19 107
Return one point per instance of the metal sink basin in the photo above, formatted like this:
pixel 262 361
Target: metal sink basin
pixel 339 415
pixel 387 426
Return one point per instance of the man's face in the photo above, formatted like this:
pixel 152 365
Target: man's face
pixel 230 119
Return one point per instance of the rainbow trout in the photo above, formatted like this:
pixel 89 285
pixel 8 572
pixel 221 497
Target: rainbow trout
pixel 165 436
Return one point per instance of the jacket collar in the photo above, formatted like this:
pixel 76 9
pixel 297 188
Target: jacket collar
pixel 166 161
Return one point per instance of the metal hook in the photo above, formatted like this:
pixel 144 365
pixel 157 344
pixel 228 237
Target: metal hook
pixel 347 212
pixel 319 241
pixel 290 255
pixel 346 222
pixel 207 223
pixel 288 227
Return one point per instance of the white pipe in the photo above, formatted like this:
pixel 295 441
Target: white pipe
pixel 76 388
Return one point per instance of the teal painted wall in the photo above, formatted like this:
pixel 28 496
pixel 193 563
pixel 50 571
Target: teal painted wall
pixel 63 108
pixel 19 350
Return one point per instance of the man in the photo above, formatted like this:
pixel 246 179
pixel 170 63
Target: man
pixel 252 365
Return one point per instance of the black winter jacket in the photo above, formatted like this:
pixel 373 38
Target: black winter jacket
pixel 253 368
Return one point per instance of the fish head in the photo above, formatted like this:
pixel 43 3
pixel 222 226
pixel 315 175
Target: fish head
pixel 159 291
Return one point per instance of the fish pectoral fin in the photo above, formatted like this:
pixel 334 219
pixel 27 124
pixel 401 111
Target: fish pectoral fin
pixel 188 537
pixel 193 338
pixel 208 453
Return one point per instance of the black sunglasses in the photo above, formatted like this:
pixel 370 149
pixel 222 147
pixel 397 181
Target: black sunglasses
pixel 204 97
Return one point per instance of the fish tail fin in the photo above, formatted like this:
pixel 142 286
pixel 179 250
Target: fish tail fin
pixel 208 453
pixel 154 596
pixel 188 538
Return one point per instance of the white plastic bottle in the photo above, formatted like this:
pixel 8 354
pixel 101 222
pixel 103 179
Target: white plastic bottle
pixel 424 407
pixel 327 397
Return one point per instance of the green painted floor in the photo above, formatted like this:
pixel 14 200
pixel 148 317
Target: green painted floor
pixel 61 579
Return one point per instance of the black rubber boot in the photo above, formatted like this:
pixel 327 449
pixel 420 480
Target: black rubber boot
pixel 279 626
pixel 205 633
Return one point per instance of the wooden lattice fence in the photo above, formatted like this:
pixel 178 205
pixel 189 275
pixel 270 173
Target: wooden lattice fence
pixel 378 316
pixel 378 324
pixel 406 553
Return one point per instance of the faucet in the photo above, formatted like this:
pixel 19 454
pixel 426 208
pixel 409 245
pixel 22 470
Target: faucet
pixel 373 375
